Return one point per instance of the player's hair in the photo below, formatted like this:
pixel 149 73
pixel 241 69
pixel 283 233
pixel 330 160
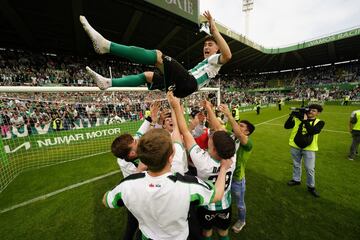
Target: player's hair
pixel 155 148
pixel 167 115
pixel 224 144
pixel 120 146
pixel 316 106
pixel 249 125
pixel 210 38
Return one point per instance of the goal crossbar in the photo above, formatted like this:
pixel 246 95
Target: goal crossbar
pixel 22 89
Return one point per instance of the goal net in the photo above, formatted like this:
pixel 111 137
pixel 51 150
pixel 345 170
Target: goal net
pixel 43 126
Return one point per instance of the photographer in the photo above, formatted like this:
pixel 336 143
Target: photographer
pixel 354 128
pixel 304 142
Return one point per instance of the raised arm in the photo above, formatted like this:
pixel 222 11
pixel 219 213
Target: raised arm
pixel 223 46
pixel 214 122
pixel 175 104
pixel 154 112
pixel 235 126
pixel 221 179
pixel 176 136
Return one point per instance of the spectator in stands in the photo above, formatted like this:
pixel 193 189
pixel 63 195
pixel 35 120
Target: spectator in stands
pixel 4 122
pixel 173 75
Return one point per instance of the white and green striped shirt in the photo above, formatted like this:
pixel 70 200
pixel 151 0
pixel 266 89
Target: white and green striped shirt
pixel 161 204
pixel 128 168
pixel 206 70
pixel 208 169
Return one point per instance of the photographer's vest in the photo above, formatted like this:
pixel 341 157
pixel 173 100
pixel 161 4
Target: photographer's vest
pixel 236 114
pixel 357 124
pixel 57 124
pixel 314 144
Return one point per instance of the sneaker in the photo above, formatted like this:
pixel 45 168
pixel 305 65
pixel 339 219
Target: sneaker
pixel 101 45
pixel 351 158
pixel 102 82
pixel 313 192
pixel 238 226
pixel 293 183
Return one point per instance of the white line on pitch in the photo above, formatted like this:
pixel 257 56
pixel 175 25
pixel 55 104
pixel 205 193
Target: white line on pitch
pixel 326 130
pixel 45 196
pixel 271 120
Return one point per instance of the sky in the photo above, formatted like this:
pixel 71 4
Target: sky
pixel 278 23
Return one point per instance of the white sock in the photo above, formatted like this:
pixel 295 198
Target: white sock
pixel 101 45
pixel 102 82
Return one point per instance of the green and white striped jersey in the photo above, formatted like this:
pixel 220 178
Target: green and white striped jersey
pixel 128 168
pixel 208 169
pixel 161 203
pixel 206 70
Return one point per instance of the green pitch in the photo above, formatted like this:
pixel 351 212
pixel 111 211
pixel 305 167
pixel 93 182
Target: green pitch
pixel 274 210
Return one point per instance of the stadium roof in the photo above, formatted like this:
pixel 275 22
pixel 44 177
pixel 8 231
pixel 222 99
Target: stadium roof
pixel 53 26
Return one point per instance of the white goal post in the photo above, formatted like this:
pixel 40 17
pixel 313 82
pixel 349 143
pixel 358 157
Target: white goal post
pixel 52 125
pixel 22 89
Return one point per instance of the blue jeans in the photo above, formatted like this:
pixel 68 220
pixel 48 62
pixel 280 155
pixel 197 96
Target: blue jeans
pixel 309 161
pixel 238 190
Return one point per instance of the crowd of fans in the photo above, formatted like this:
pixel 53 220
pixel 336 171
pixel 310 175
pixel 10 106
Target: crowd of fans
pixel 63 111
pixel 40 69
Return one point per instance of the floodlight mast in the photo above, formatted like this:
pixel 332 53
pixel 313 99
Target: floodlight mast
pixel 248 5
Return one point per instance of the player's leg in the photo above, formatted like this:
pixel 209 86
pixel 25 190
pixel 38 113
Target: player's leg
pixel 206 219
pixel 222 223
pixel 296 156
pixel 131 226
pixel 194 225
pixel 127 81
pixel 135 54
pixel 238 191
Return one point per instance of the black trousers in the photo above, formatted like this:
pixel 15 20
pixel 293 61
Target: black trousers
pixel 131 226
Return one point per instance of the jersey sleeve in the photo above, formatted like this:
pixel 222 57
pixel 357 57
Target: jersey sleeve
pixel 113 198
pixel 179 163
pixel 127 168
pixel 248 146
pixel 201 192
pixel 200 159
pixel 145 126
pixel 215 59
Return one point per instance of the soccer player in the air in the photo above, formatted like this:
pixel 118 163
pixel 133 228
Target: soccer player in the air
pixel 221 148
pixel 159 199
pixel 172 74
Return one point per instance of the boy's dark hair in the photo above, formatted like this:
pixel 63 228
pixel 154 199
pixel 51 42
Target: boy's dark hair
pixel 210 38
pixel 249 125
pixel 155 148
pixel 120 146
pixel 224 144
pixel 316 106
pixel 167 115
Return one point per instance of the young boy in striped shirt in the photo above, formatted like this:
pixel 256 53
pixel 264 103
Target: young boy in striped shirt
pixel 158 198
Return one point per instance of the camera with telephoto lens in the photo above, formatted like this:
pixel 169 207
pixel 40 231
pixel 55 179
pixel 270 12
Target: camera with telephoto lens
pixel 299 112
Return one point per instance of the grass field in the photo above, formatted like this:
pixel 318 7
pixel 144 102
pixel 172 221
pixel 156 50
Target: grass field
pixel 274 210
